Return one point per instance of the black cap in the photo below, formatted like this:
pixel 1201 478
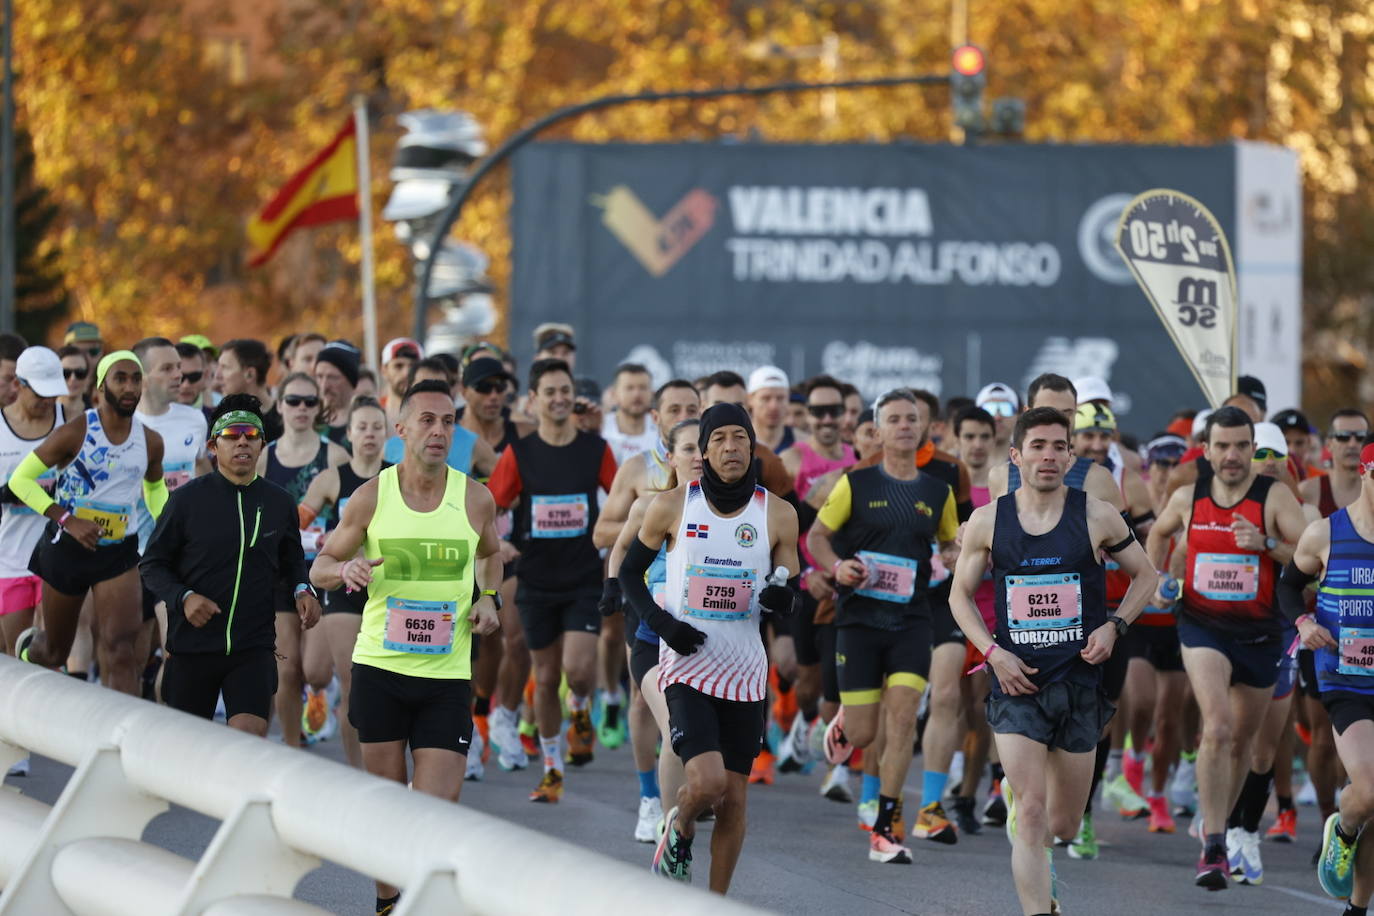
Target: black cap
pixel 553 339
pixel 1291 419
pixel 1253 389
pixel 342 356
pixel 483 368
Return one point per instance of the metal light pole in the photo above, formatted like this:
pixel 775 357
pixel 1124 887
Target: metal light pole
pixel 517 140
pixel 8 243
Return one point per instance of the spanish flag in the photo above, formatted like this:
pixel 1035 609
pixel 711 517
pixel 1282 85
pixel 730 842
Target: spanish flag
pixel 325 191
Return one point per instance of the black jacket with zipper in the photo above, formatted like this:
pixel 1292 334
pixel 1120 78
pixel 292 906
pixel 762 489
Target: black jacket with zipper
pixel 233 544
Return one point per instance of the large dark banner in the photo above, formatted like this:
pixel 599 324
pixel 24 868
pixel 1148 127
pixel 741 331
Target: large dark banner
pixel 934 266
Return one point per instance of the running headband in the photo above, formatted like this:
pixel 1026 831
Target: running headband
pixel 236 418
pixel 110 359
pixel 1367 457
pixel 1093 416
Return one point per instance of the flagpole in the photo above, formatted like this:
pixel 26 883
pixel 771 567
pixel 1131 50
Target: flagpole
pixel 364 158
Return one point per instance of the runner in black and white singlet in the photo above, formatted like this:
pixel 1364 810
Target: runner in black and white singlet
pixel 35 413
pixel 727 538
pixel 107 458
pixel 1047 709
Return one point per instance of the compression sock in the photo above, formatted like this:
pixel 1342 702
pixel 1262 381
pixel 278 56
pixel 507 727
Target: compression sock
pixel 481 706
pixel 549 748
pixel 1254 797
pixel 887 805
pixel 648 783
pixel 1215 841
pixel 869 790
pixel 1353 910
pixel 932 786
pixel 1285 802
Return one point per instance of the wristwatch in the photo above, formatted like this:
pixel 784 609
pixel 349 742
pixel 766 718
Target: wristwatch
pixel 304 589
pixel 1271 543
pixel 1120 624
pixel 493 594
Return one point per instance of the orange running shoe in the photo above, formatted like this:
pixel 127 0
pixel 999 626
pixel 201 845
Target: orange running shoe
pixel 761 773
pixel 581 738
pixel 1285 829
pixel 316 710
pixel 1161 821
pixel 549 790
pixel 933 825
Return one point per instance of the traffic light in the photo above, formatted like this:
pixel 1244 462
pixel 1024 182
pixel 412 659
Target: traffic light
pixel 968 76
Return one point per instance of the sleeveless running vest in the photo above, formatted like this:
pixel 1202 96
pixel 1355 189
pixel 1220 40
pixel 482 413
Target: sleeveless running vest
pixel 349 481
pixel 815 465
pixel 105 481
pixel 416 621
pixel 1345 606
pixel 296 480
pixel 558 510
pixel 716 570
pixel 1051 591
pixel 1074 479
pixel 1226 588
pixel 892 528
pixel 20 526
pixel 1326 499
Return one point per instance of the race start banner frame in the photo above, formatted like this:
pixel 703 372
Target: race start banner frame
pixel 935 266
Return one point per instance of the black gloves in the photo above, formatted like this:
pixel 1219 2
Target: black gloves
pixel 610 598
pixel 681 637
pixel 779 600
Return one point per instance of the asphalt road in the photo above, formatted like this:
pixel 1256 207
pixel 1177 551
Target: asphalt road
pixel 804 854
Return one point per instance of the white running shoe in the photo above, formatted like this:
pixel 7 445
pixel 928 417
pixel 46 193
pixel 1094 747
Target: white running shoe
pixel 1307 795
pixel 476 769
pixel 956 772
pixel 650 813
pixel 836 786
pixel 1183 787
pixel 794 750
pixel 506 739
pixel 1251 868
pixel 1234 838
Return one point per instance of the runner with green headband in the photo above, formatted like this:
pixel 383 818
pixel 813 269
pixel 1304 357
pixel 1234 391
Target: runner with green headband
pixel 91 542
pixel 218 580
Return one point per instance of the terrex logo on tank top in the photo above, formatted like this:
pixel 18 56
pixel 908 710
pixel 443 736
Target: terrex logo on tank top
pixel 424 559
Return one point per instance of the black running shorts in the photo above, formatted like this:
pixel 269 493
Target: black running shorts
pixel 1346 707
pixel 192 682
pixel 421 711
pixel 1062 715
pixel 699 724
pixel 868 659
pixel 1157 645
pixel 548 615
pixel 71 569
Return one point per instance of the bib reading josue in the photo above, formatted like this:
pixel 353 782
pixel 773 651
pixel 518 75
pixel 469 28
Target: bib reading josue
pixel 1045 602
pixel 422 627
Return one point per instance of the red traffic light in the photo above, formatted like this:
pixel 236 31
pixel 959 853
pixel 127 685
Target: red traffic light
pixel 968 60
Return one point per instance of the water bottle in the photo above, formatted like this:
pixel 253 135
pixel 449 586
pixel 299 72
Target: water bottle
pixel 1170 588
pixel 777 577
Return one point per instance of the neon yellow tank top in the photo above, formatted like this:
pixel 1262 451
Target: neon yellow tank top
pixel 416 621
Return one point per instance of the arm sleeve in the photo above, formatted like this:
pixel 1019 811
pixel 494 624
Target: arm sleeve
pixel 949 520
pixel 963 497
pixel 838 505
pixel 606 476
pixel 1290 587
pixel 505 484
pixel 24 484
pixel 636 590
pixel 155 495
pixel 160 566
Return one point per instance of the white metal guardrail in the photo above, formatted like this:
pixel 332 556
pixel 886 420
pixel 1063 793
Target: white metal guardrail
pixel 282 812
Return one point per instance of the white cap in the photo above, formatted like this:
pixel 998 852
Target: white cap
pixel 997 391
pixel 41 369
pixel 1092 388
pixel 1268 435
pixel 1200 422
pixel 767 377
pixel 389 351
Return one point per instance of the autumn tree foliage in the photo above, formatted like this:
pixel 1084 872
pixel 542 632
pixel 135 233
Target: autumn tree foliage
pixel 156 159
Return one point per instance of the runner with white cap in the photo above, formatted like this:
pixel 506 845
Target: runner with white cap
pixel 398 356
pixel 768 393
pixel 1004 404
pixel 1094 390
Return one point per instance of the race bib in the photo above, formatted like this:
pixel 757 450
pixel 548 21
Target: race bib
pixel 1051 601
pixel 559 516
pixel 176 473
pixel 1226 576
pixel 113 520
pixel 889 578
pixel 312 539
pixel 719 593
pixel 419 627
pixel 1357 651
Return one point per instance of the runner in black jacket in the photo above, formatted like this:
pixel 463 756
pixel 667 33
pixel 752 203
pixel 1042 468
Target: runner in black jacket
pixel 217 553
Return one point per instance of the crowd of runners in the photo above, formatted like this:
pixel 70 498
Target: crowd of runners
pixel 456 562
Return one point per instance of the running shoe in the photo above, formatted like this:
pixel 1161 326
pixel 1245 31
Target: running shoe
pixel 1307 795
pixel 933 825
pixel 650 813
pixel 476 769
pixel 549 790
pixel 611 731
pixel 529 740
pixel 1010 823
pixel 995 810
pixel 868 814
pixel 673 854
pixel 1233 857
pixel 815 738
pixel 964 818
pixel 1285 829
pixel 388 907
pixel 838 750
pixel 794 753
pixel 21 646
pixel 1335 865
pixel 1133 769
pixel 1160 819
pixel 318 722
pixel 19 769
pixel 581 736
pixel 1211 869
pixel 1195 826
pixel 761 771
pixel 836 785
pixel 1119 794
pixel 502 735
pixel 883 847
pixel 1183 787
pixel 1085 846
pixel 1251 868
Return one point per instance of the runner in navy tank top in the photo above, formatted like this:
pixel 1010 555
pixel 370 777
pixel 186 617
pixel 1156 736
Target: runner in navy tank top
pixel 1047 709
pixel 1239 527
pixel 1340 550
